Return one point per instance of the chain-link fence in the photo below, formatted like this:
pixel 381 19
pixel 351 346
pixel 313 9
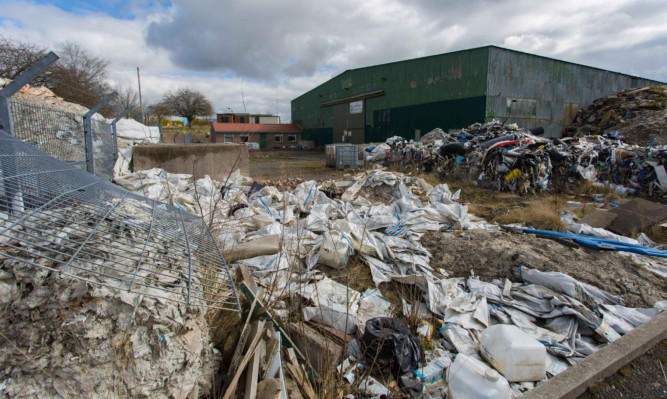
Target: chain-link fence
pixel 56 216
pixel 61 135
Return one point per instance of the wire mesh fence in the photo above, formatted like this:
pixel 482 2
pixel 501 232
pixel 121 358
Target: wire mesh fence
pixel 103 149
pixel 56 216
pixel 61 135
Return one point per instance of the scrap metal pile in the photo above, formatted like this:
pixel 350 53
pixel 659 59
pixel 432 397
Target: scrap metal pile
pixel 506 158
pixel 297 244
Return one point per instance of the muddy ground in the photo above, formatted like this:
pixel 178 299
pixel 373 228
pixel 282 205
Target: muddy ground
pixel 493 255
pixel 306 165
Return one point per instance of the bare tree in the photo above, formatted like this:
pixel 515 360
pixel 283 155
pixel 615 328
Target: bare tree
pixel 80 76
pixel 188 104
pixel 127 98
pixel 16 57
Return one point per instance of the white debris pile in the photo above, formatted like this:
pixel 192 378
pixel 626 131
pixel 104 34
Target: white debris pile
pixel 381 218
pixel 65 337
pixel 130 133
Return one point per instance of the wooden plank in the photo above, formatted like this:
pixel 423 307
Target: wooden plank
pixel 298 374
pixel 284 337
pixel 236 357
pixel 246 276
pixel 253 373
pixel 251 351
pixel 337 336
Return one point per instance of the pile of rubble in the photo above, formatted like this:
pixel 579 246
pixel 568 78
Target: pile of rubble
pixel 43 97
pixel 301 251
pixel 65 337
pixel 638 115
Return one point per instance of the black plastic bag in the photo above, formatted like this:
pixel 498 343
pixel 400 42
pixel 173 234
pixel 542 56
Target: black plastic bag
pixel 388 341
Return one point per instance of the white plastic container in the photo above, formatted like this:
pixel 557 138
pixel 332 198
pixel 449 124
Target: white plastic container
pixel 517 355
pixel 469 378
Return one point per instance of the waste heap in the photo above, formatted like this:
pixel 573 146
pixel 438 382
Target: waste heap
pixel 102 291
pixel 506 158
pixel 301 244
pixel 638 115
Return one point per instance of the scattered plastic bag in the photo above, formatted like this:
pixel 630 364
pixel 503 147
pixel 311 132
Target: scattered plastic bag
pixel 390 341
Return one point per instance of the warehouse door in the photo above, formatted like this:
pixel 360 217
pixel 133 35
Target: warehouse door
pixel 348 123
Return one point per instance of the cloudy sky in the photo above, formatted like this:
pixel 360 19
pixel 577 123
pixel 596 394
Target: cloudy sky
pixel 267 52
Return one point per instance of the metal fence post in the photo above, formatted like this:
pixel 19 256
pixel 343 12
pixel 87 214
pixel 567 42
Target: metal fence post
pixel 88 130
pixel 6 124
pixel 115 135
pixel 16 84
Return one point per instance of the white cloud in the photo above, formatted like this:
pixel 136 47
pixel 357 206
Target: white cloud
pixel 283 49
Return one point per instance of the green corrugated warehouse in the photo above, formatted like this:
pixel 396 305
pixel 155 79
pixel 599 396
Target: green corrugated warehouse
pixel 450 91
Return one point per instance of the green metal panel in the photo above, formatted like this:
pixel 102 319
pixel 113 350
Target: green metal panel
pixel 262 141
pixel 406 84
pixel 405 121
pixel 346 121
pixel 321 136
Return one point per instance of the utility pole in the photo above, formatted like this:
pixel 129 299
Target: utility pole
pixel 141 104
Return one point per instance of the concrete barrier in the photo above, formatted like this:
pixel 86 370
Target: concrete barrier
pixel 575 380
pixel 199 160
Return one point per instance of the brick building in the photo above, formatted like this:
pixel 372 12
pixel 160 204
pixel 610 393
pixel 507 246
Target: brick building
pixel 268 136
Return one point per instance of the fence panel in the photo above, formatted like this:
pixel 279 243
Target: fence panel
pixel 56 216
pixel 60 134
pixel 103 149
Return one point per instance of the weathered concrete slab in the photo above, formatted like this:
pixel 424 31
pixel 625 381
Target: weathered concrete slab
pixel 603 363
pixel 215 160
pixel 322 353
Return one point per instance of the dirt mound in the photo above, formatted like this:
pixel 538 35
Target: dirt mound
pixel 493 255
pixel 636 114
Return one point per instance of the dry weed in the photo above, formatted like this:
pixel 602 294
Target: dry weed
pixel 544 214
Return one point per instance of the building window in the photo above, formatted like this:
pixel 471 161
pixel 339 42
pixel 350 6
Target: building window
pixel 242 119
pixel 244 138
pixel 291 138
pixel 257 119
pixel 229 138
pixel 224 119
pixel 278 138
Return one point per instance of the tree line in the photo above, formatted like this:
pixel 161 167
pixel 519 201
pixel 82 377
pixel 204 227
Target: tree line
pixel 82 77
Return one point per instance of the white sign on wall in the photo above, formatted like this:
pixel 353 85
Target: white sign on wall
pixel 357 107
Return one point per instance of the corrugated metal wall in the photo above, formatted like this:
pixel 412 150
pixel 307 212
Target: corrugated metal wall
pixel 443 91
pixel 454 90
pixel 538 91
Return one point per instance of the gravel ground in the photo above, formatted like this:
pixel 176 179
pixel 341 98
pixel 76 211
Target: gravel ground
pixel 642 378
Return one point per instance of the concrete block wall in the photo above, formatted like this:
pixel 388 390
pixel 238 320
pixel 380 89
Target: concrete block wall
pixel 216 160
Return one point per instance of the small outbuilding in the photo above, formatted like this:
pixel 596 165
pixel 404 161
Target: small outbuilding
pixel 268 136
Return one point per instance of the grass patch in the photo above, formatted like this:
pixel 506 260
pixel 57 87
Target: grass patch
pixel 657 233
pixel 540 214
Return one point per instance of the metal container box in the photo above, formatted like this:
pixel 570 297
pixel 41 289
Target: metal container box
pixel 346 156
